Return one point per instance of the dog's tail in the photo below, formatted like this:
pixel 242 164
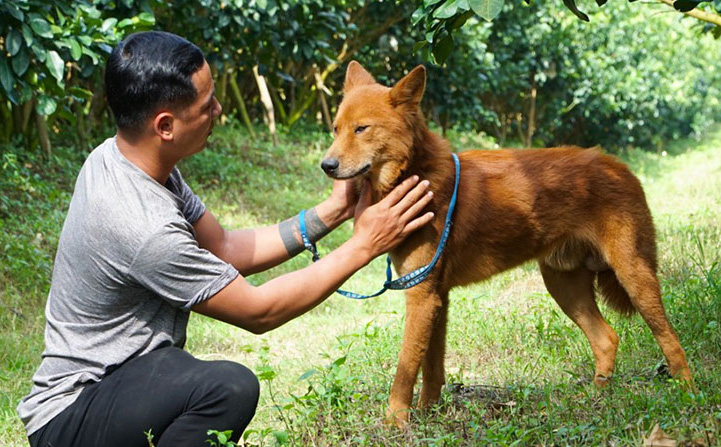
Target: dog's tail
pixel 613 293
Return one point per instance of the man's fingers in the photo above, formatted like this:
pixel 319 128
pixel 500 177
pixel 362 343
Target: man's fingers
pixel 418 222
pixel 400 191
pixel 418 206
pixel 413 196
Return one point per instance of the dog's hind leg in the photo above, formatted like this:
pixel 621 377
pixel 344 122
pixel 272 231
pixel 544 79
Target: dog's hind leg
pixel 636 273
pixel 423 305
pixel 433 363
pixel 573 291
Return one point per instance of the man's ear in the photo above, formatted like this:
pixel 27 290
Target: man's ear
pixel 409 90
pixel 163 125
pixel 356 75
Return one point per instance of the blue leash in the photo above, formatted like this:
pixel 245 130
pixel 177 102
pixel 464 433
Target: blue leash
pixel 406 281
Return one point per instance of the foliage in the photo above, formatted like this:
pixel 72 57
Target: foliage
pixel 441 18
pixel 52 55
pixel 542 78
pixel 51 58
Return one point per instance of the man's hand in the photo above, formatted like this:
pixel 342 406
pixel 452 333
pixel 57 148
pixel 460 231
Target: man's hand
pixel 384 225
pixel 344 198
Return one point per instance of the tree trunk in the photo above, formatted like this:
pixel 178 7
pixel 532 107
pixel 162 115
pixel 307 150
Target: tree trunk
pixel 322 91
pixel 278 104
pixel 42 126
pixel 222 93
pixel 7 119
pixel 241 104
pixel 532 112
pixel 267 103
pixel 80 123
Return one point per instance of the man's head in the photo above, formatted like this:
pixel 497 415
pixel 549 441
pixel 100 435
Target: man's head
pixel 160 83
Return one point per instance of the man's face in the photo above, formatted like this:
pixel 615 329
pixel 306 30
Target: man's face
pixel 194 123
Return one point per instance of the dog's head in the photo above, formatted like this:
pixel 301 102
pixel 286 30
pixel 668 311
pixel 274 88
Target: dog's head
pixel 375 127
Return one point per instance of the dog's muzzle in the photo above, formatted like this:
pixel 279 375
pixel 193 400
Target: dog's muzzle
pixel 330 166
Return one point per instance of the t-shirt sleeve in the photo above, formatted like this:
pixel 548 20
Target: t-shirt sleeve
pixel 193 207
pixel 172 265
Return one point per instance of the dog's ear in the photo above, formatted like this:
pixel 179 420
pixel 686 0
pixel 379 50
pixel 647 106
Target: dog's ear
pixel 356 75
pixel 409 90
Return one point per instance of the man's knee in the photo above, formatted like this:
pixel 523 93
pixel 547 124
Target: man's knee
pixel 238 381
pixel 238 387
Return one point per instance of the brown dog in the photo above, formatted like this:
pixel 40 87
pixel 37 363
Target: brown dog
pixel 580 213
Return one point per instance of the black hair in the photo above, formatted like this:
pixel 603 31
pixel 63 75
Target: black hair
pixel 147 71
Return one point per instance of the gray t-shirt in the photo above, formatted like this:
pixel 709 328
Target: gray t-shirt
pixel 127 271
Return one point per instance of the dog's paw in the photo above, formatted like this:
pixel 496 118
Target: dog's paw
pixel 397 417
pixel 601 381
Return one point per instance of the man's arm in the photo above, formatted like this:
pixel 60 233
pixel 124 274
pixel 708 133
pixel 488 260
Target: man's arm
pixel 254 250
pixel 377 229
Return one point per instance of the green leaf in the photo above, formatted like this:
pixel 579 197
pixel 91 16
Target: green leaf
pixel 28 35
pixel 418 46
pixel 443 49
pixel 13 42
pixel 21 61
pixel 307 374
pixel 571 4
pixel 93 55
pixel 76 52
pixel 340 360
pixel 281 437
pixel 15 13
pixel 46 105
pixel 55 65
pixel 488 9
pixel 40 54
pixel 427 3
pixel 108 24
pixel 40 26
pixel 6 77
pixel 125 23
pixel 81 92
pixel 450 8
pixel 685 5
pixel 418 15
pixel 85 40
pixel 146 18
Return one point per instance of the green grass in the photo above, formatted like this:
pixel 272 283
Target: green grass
pixel 518 370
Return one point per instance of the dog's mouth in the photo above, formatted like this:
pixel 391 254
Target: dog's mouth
pixel 343 176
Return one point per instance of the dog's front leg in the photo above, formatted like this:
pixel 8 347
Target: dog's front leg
pixel 423 305
pixel 433 363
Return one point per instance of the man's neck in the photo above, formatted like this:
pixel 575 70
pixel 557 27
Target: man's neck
pixel 146 155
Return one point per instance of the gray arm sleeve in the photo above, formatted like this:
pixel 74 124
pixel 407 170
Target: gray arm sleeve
pixel 193 207
pixel 172 265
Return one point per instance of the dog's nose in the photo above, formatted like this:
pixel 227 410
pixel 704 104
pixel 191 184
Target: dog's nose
pixel 329 165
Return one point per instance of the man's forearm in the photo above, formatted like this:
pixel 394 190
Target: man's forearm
pixel 290 231
pixel 262 248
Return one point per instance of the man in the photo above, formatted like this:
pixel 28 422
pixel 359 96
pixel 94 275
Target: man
pixel 138 251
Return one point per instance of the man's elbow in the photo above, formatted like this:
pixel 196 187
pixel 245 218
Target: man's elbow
pixel 258 327
pixel 259 324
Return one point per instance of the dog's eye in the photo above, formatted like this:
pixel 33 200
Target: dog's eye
pixel 335 130
pixel 360 129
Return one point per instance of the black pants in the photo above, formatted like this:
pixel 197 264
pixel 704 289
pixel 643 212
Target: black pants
pixel 167 391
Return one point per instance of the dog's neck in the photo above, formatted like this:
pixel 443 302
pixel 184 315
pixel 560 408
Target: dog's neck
pixel 430 155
